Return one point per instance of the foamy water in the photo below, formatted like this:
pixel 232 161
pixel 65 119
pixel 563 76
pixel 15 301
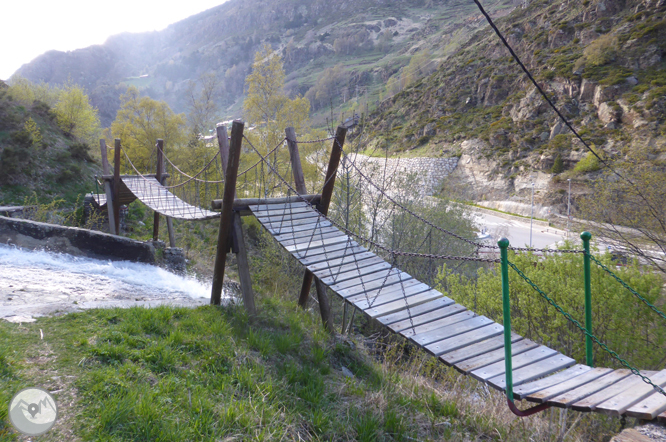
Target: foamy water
pixel 34 283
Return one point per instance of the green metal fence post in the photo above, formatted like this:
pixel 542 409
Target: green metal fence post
pixel 589 356
pixel 506 306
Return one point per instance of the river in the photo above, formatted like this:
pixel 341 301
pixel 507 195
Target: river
pixel 38 283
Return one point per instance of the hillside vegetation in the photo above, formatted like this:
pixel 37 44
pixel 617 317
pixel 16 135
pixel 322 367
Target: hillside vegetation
pixel 334 51
pixel 37 156
pixel 601 62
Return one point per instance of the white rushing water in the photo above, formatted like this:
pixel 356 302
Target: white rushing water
pixel 36 283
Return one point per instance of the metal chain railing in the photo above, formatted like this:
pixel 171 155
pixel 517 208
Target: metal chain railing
pixel 197 174
pixel 361 238
pixel 261 158
pixel 626 286
pixel 613 354
pixel 445 231
pixel 311 141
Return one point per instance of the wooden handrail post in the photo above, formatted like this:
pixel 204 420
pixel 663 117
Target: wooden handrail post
pixel 299 180
pixel 116 185
pixel 223 142
pixel 227 216
pixel 159 170
pixel 295 157
pixel 108 189
pixel 326 195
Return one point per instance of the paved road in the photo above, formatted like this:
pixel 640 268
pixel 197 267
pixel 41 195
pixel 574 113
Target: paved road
pixel 518 232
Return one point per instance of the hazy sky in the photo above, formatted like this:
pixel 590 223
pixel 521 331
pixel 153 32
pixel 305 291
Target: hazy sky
pixel 31 27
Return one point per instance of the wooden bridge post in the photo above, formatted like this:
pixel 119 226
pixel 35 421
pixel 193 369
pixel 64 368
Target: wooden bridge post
pixel 158 175
pixel 226 224
pixel 116 185
pixel 326 195
pixel 223 142
pixel 107 187
pixel 299 180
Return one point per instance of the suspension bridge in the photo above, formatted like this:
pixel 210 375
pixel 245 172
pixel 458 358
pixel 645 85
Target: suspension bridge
pixel 363 273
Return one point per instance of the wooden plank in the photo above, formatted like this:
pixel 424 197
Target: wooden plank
pixel 520 360
pixel 525 390
pixel 465 339
pixel 533 371
pixel 399 304
pixel 282 229
pixel 315 256
pixel 590 402
pixel 416 311
pixel 305 240
pixel 472 351
pixel 494 356
pixel 343 261
pixel 289 223
pixel 583 377
pixel 284 217
pixel 335 278
pixel 427 318
pixel 648 408
pixel 263 209
pixel 449 331
pixel 242 204
pixel 662 418
pixel 316 232
pixel 322 244
pixel 323 270
pixel 565 400
pixel 374 281
pixel 620 403
pixel 387 293
pixel 460 316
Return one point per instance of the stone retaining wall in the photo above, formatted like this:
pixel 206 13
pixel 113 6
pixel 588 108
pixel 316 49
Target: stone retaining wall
pixel 74 241
pixel 430 172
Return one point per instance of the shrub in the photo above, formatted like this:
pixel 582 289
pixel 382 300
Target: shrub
pixel 80 151
pixel 601 51
pixel 558 165
pixel 619 320
pixel 589 163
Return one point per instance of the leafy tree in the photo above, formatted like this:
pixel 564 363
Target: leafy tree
pixel 26 92
pixel 268 107
pixel 202 104
pixel 631 215
pixel 141 121
pixel 625 324
pixel 558 164
pixel 76 115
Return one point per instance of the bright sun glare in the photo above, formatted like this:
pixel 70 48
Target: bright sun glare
pixel 32 27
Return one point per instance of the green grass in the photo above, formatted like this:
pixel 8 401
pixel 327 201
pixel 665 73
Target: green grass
pixel 174 374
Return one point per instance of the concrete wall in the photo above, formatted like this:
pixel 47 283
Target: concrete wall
pixel 430 172
pixel 74 241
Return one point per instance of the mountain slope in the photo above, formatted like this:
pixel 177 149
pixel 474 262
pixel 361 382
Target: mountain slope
pixel 601 61
pixel 37 156
pixel 370 40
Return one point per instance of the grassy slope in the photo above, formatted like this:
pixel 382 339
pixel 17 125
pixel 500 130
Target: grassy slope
pixel 52 169
pixel 211 374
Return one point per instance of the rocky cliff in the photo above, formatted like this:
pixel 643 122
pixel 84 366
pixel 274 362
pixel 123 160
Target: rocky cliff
pixel 600 61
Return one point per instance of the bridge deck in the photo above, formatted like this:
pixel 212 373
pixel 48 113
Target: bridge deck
pixel 472 344
pixel 150 192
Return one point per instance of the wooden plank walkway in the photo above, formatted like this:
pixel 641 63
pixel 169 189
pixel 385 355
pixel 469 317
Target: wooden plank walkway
pixel 150 192
pixel 458 337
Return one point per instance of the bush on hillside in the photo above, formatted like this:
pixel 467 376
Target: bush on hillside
pixel 625 324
